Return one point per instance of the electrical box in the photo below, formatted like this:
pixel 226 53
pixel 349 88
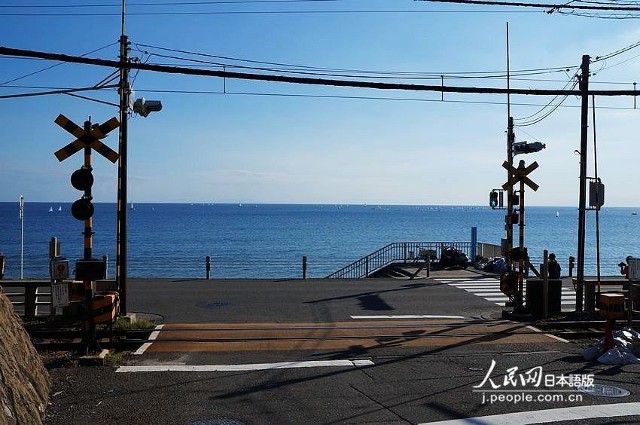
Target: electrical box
pixel 90 269
pixel 596 194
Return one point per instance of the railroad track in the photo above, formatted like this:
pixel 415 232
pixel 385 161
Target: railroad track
pixel 71 338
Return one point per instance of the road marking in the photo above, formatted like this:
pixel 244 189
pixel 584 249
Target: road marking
pixel 152 337
pixel 533 328
pixel 575 413
pixel 405 316
pixel 489 289
pixel 244 367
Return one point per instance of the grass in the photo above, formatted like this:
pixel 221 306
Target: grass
pixel 127 324
pixel 115 358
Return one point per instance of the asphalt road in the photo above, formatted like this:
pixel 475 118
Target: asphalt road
pixel 380 351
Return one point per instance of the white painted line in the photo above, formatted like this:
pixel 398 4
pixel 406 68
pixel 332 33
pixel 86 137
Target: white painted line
pixel 243 367
pixel 152 337
pixel 406 316
pixel 497 299
pixel 533 328
pixel 467 287
pixel 575 413
pixel 488 294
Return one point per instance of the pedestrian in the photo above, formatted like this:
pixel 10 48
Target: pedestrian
pixel 553 267
pixel 624 267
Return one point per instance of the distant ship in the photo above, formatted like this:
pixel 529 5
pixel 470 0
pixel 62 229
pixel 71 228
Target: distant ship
pixel 634 213
pixel 60 208
pixel 50 209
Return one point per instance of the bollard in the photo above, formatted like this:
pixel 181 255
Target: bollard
pixel 572 262
pixel 208 266
pixel 105 260
pixel 304 266
pixel 54 248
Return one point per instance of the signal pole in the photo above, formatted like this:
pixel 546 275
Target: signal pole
pixel 584 124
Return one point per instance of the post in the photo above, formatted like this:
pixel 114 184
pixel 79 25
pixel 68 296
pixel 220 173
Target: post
pixel 54 248
pixel 207 261
pixel 545 285
pixel 304 266
pixel 508 224
pixel 584 117
pixel 21 237
pixel 105 261
pixel 474 244
pixel 366 270
pixel 522 264
pixel 89 342
pixel 121 225
pixel 572 261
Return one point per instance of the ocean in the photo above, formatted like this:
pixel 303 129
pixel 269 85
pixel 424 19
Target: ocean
pixel 269 241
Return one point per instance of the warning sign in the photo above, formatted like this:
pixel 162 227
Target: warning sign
pixel 59 295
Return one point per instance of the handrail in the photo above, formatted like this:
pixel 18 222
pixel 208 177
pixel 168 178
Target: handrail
pixel 394 252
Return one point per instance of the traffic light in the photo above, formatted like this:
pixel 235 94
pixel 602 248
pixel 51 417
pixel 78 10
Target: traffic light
pixel 527 147
pixel 493 199
pixel 144 107
pixel 82 179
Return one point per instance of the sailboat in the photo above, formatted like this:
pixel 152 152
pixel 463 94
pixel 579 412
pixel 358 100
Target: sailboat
pixel 131 206
pixel 59 207
pixel 50 209
pixel 557 213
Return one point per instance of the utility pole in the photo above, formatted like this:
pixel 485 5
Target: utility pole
pixel 121 225
pixel 584 124
pixel 508 226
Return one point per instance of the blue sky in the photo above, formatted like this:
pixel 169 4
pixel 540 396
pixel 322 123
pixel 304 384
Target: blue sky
pixel 280 143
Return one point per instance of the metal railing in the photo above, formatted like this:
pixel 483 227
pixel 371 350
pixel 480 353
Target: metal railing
pixel 406 252
pixel 30 298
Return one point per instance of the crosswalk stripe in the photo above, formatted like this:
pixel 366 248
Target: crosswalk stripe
pixel 489 289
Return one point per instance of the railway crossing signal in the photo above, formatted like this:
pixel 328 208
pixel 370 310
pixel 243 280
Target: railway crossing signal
pixel 87 138
pixel 88 269
pixel 520 175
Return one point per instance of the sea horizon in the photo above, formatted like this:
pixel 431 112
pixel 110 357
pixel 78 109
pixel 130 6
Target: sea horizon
pixel 268 240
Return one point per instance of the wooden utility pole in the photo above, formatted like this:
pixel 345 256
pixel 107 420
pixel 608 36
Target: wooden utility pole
pixel 121 225
pixel 584 125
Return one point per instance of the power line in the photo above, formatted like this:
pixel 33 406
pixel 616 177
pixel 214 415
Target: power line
pixel 305 80
pixel 250 12
pixel 50 92
pixel 550 6
pixel 52 66
pixel 360 97
pixel 163 4
pixel 342 72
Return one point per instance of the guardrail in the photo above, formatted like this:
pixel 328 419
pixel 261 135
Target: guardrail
pixel 32 298
pixel 28 295
pixel 406 252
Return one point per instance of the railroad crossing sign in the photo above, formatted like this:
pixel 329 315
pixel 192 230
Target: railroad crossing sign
pixel 520 175
pixel 87 138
